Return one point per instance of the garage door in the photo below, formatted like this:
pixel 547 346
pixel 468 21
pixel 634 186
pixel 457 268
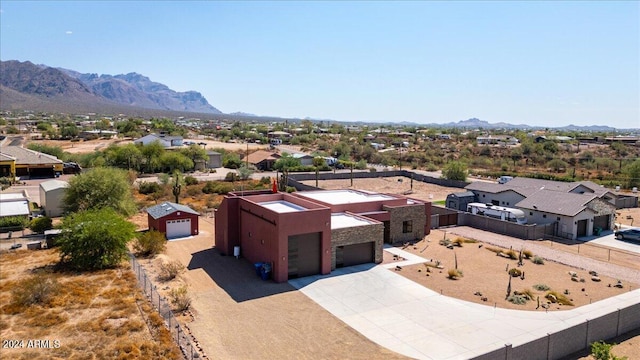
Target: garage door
pixel 355 254
pixel 178 228
pixel 304 255
pixel 601 222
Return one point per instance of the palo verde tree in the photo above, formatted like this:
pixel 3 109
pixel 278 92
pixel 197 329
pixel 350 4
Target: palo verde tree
pixel 94 239
pixel 455 170
pixel 100 188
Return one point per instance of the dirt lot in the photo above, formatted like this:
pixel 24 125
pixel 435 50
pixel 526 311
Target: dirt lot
pixel 80 147
pixel 100 314
pixel 238 316
pixel 390 185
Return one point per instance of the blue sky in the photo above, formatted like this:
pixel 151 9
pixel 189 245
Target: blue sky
pixel 536 63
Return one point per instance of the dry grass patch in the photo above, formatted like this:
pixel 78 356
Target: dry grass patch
pixel 94 315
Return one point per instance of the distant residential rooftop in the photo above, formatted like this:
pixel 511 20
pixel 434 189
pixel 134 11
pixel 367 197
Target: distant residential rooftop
pixel 281 206
pixel 339 197
pixel 342 220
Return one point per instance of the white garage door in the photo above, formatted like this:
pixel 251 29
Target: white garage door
pixel 178 228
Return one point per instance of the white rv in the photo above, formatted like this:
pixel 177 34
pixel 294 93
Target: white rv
pixel 498 212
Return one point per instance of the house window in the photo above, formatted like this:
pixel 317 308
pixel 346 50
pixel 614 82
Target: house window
pixel 544 216
pixel 558 218
pixel 531 213
pixel 407 226
pixel 482 195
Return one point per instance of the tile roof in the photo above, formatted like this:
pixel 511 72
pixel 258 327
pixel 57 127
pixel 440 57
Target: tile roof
pixel 27 156
pixel 554 202
pixel 167 208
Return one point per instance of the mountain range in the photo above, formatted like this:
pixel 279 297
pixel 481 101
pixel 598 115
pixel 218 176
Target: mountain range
pixel 26 83
pixel 26 86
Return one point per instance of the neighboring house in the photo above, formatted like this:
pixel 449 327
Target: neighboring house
pixel 579 208
pixel 165 140
pixel 305 159
pixel 7 165
pixel 214 160
pixel 14 204
pixel 174 220
pixel 262 160
pixel 497 140
pixel 51 197
pixel 314 232
pixel 31 163
pixel 94 134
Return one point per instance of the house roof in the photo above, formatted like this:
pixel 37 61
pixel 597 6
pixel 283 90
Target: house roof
pixel 53 184
pixel 5 157
pixel 167 208
pixel 554 202
pixel 495 188
pixel 261 155
pixel 27 156
pixel 463 194
pixel 14 208
pixel 211 152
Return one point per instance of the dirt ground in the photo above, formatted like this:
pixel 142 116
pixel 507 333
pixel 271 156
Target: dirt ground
pixel 99 314
pixel 390 185
pixel 80 147
pixel 236 315
pixel 485 273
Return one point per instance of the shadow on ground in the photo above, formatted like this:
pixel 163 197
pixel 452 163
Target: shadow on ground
pixel 235 276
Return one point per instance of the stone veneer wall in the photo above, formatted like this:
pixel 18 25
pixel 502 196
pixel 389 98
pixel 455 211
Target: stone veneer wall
pixel 358 235
pixel 404 213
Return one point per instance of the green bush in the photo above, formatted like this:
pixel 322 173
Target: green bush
pixel 150 243
pixel 190 180
pixel 231 176
pixel 537 260
pixel 18 222
pixel 193 191
pixel 265 180
pixel 147 188
pixel 180 298
pixel 541 287
pixel 40 224
pixel 600 350
pixel 217 187
pixel 517 299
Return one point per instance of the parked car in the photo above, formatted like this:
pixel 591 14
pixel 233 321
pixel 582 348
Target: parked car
pixel 630 234
pixel 15 246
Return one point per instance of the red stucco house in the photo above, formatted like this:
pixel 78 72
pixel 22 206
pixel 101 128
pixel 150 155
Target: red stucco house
pixel 174 220
pixel 314 232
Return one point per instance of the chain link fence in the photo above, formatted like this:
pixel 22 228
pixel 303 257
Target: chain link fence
pixel 164 309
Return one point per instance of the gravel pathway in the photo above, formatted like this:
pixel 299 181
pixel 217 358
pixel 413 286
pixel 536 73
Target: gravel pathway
pixel 601 267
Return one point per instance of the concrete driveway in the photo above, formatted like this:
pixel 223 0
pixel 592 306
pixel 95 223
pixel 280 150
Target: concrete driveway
pixel 611 241
pixel 412 320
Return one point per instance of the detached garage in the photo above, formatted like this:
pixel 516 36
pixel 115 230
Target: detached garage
pixel 174 220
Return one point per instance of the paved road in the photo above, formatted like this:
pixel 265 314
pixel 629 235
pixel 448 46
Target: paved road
pixel 412 320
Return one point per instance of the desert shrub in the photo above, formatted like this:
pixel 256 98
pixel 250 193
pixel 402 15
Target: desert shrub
pixel 150 243
pixel 600 350
pixel 265 180
pixel 37 289
pixel 445 242
pixel 180 298
pixel 231 176
pixel 458 242
pixel 20 222
pixel 555 297
pixel 515 272
pixel 216 187
pixel 169 270
pixel 454 274
pixel 528 254
pixel 493 249
pixel 537 260
pixel 190 180
pixel 512 254
pixel 147 188
pixel 541 287
pixel 193 191
pixel 517 299
pixel 40 224
pixel 526 293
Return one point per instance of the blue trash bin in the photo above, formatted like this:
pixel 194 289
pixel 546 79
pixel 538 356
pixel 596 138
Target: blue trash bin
pixel 265 271
pixel 258 267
